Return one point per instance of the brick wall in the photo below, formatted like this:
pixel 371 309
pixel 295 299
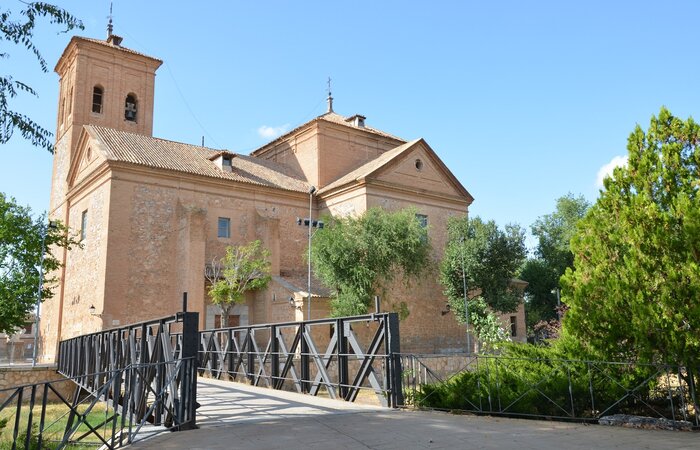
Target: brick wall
pixel 14 376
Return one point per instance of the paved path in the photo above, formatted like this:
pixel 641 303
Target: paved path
pixel 235 416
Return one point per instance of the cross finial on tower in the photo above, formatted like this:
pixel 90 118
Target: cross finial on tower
pixel 330 98
pixel 110 28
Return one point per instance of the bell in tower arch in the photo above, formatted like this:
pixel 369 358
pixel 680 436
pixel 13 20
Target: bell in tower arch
pixel 130 108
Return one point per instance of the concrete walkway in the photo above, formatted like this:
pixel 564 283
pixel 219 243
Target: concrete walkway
pixel 235 416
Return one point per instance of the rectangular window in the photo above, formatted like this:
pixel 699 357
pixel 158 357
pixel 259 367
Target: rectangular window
pixel 83 225
pixel 513 326
pixel 423 220
pixel 224 227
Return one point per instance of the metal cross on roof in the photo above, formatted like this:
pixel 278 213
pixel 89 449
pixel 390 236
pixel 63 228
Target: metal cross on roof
pixel 110 28
pixel 330 99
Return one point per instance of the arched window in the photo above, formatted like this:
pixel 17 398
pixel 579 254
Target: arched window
pixel 130 108
pixel 97 94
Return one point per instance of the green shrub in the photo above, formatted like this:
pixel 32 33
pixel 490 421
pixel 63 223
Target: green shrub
pixel 21 438
pixel 537 380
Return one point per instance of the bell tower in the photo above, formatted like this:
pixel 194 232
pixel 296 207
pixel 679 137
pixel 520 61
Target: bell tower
pixel 101 83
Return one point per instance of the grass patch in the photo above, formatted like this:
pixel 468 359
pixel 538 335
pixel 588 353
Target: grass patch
pixel 55 422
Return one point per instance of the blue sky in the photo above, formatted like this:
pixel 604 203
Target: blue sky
pixel 524 101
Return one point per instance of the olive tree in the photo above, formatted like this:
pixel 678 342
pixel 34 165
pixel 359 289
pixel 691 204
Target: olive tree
pixel 244 268
pixel 359 256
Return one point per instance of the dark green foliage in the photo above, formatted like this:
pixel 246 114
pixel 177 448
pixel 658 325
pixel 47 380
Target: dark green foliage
pixel 554 231
pixel 491 258
pixel 536 380
pixel 541 303
pixel 634 293
pixel 20 258
pixel 18 29
pixel 360 256
pixel 552 257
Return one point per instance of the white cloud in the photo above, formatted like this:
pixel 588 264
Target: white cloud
pixel 607 169
pixel 269 132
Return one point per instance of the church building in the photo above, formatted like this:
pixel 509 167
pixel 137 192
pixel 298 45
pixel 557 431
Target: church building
pixel 153 214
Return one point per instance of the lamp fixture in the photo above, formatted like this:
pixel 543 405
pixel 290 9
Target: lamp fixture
pixel 314 223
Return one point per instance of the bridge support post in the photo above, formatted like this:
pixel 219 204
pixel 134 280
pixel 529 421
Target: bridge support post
pixel 342 349
pixel 305 373
pixel 230 356
pixel 189 355
pixel 393 362
pixel 250 356
pixel 275 381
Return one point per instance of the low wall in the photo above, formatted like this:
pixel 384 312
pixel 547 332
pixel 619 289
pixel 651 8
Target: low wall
pixel 14 376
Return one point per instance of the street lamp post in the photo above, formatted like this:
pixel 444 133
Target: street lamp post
pixel 310 223
pixel 50 225
pixel 308 279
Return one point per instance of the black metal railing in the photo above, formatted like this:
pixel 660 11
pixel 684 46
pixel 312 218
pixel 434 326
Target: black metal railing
pixel 122 404
pixel 340 357
pixel 550 388
pixel 145 371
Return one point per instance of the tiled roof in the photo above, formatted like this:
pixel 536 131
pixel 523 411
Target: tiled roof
pixel 300 284
pixel 342 120
pixel 168 155
pixel 334 118
pixel 367 169
pixel 107 44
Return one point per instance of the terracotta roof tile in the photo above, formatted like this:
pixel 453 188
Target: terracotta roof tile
pixel 334 118
pixel 342 120
pixel 119 47
pixel 169 155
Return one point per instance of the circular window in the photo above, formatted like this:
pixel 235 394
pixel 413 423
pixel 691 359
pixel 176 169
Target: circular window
pixel 419 165
pixel 89 154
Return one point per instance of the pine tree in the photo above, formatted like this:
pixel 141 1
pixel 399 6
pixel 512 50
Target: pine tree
pixel 635 290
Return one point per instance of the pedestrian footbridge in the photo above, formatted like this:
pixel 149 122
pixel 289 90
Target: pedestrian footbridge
pixel 165 374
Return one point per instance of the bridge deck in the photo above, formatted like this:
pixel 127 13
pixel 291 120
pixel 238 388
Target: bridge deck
pixel 224 402
pixel 243 417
